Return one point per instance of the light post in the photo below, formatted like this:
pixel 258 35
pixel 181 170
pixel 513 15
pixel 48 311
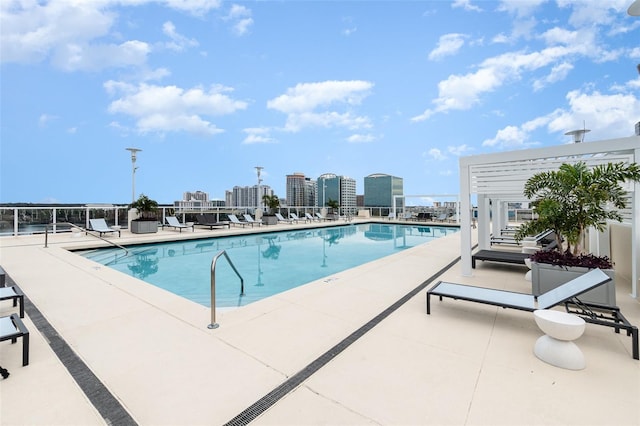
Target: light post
pixel 259 203
pixel 133 172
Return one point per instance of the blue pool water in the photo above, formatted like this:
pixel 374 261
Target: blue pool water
pixel 270 263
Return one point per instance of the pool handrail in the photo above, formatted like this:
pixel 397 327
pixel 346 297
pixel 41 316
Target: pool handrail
pixel 213 323
pixel 74 226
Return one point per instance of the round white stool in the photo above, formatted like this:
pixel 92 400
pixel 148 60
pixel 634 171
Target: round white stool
pixel 556 346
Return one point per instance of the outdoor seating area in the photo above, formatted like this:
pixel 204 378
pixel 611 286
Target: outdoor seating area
pixel 568 294
pixel 251 355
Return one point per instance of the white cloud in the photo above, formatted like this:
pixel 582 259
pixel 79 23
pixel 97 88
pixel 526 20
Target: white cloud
pixel 462 92
pixel 73 33
pixel 301 103
pixel 45 119
pixel 459 150
pixel 258 135
pixel 520 8
pixel 510 136
pixel 436 154
pixel 178 41
pixel 466 5
pixel 359 138
pixel 607 115
pixel 85 57
pixel 449 44
pixel 558 73
pixel 171 108
pixel 195 7
pixel 241 18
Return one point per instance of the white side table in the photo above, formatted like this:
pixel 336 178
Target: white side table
pixel 556 347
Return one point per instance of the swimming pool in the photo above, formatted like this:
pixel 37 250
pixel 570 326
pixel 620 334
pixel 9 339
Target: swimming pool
pixel 269 263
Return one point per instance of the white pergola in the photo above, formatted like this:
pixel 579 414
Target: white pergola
pixel 497 179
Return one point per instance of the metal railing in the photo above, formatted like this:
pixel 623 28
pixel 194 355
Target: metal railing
pixel 213 323
pixel 71 225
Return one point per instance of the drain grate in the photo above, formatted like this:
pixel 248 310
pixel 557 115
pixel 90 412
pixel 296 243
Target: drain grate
pixel 107 405
pixel 263 404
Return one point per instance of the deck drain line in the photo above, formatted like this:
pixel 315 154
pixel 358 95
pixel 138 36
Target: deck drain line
pixel 107 405
pixel 263 404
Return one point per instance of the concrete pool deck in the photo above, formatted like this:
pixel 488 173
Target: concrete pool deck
pixel 465 364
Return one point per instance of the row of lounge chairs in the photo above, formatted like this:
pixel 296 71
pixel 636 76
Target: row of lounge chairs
pixel 208 220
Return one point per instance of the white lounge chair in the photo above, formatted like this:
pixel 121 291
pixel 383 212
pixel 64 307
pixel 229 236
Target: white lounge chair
pixel 172 222
pixel 282 219
pixel 100 226
pixel 322 217
pixel 235 221
pixel 251 220
pixel 311 218
pixel 297 219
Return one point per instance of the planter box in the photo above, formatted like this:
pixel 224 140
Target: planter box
pixel 269 220
pixel 545 277
pixel 144 226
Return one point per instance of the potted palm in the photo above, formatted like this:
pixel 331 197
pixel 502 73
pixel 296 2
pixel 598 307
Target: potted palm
pixel 272 202
pixel 334 207
pixel 147 221
pixel 569 201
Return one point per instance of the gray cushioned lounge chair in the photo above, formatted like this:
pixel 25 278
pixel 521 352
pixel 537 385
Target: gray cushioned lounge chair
pixel 567 294
pixel 100 226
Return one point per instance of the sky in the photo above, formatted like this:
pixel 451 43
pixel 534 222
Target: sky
pixel 209 90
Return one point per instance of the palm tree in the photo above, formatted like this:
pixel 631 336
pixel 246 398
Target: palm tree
pixel 574 198
pixel 333 205
pixel 271 201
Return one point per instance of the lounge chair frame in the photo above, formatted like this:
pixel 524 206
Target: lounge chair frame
pixel 566 294
pixel 249 219
pixel 100 226
pixel 20 331
pixel 172 222
pixel 13 293
pixel 235 221
pixel 499 256
pixel 209 220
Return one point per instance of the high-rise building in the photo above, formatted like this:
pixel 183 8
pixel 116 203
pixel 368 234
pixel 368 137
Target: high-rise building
pixel 301 190
pixel 380 190
pixel 295 188
pixel 339 188
pixel 197 195
pixel 197 201
pixel 247 196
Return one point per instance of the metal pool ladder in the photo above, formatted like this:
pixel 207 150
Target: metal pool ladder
pixel 214 324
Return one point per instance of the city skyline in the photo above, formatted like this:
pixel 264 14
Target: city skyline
pixel 210 90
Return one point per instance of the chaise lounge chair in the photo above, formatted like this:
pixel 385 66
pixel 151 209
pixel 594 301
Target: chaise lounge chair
pixel 172 222
pixel 210 221
pixel 13 293
pixel 282 219
pixel 297 219
pixel 11 327
pixel 322 217
pixel 566 294
pixel 311 218
pixel 235 221
pixel 100 226
pixel 251 220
